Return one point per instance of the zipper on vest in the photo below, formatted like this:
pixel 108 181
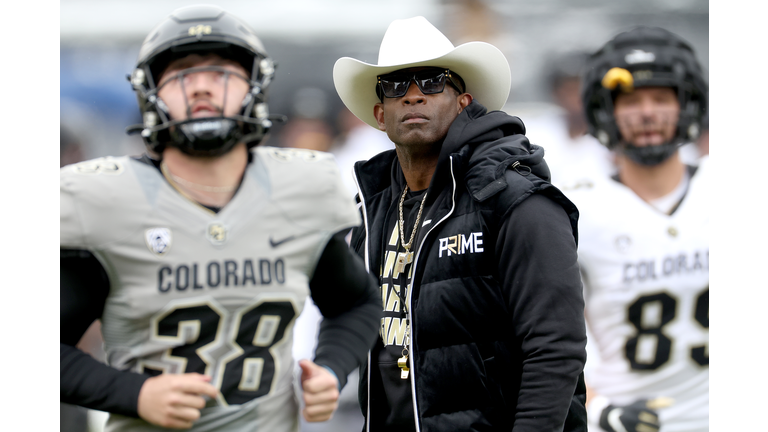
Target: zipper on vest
pixel 410 301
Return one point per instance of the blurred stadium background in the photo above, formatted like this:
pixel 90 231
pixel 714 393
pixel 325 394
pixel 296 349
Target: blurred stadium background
pixel 99 42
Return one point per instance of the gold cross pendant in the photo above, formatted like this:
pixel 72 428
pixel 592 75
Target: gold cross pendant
pixel 403 258
pixel 402 363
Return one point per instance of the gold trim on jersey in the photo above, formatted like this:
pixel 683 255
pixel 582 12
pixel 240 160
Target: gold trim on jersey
pixel 252 369
pixel 266 331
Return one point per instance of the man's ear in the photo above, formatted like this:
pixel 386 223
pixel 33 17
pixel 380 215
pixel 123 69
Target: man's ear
pixel 463 101
pixel 378 112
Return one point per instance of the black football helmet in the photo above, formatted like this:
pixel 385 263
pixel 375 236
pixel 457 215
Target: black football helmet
pixel 644 57
pixel 202 29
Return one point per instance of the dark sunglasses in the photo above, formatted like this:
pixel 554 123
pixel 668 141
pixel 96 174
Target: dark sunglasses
pixel 429 81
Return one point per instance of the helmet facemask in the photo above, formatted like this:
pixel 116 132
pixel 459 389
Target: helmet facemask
pixel 654 133
pixel 216 132
pixel 212 135
pixel 644 57
pixel 202 30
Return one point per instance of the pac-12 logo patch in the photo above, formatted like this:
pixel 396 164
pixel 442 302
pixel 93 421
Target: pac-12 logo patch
pixel 158 240
pixel 622 243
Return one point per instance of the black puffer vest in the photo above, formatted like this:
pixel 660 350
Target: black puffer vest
pixel 465 368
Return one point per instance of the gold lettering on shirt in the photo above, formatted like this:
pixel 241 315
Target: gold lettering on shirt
pixel 396 334
pixel 393 304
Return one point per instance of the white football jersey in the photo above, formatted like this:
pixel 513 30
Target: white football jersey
pixel 646 281
pixel 198 291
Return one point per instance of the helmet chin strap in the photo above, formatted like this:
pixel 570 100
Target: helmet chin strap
pixel 649 155
pixel 211 136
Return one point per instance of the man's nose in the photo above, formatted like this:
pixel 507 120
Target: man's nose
pixel 199 83
pixel 648 108
pixel 414 94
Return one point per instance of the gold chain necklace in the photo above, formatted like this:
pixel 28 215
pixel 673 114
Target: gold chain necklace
pixel 176 179
pixel 406 257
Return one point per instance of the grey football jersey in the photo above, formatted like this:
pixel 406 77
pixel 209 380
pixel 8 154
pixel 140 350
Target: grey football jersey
pixel 198 291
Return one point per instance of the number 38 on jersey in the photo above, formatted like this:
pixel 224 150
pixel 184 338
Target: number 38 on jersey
pixel 238 349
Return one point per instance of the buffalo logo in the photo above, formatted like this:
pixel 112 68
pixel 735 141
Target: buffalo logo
pixel 640 56
pixel 158 240
pixel 217 234
pixel 200 30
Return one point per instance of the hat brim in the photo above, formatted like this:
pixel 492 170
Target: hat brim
pixel 482 66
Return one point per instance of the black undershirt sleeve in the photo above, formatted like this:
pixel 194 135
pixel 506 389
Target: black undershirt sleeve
pixel 542 287
pixel 348 298
pixel 84 381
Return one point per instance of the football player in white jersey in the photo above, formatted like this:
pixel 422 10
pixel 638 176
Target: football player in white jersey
pixel 643 241
pixel 198 256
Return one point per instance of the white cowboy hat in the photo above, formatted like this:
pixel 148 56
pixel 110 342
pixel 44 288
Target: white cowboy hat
pixel 416 42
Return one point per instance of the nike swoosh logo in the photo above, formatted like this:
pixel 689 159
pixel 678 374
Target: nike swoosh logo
pixel 275 244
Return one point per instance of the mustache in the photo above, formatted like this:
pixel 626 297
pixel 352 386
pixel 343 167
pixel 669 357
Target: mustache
pixel 204 105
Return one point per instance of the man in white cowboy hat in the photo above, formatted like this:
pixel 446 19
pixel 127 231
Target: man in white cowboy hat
pixel 475 250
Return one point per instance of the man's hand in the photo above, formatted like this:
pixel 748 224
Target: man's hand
pixel 321 392
pixel 174 400
pixel 640 416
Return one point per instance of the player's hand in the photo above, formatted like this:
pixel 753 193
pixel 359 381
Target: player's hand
pixel 321 392
pixel 640 416
pixel 174 400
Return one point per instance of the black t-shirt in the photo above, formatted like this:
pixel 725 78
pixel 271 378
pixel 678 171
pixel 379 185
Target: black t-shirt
pixel 394 411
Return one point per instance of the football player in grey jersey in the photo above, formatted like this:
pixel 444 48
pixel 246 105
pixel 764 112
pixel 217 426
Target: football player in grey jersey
pixel 198 256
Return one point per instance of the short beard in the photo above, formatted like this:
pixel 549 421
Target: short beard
pixel 649 155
